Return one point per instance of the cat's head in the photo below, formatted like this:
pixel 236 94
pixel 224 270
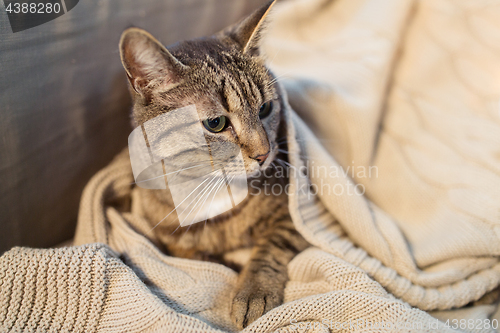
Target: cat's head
pixel 223 75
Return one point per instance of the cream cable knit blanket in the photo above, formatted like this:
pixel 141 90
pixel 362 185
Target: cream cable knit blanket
pixel 410 89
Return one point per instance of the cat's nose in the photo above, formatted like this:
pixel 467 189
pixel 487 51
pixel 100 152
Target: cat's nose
pixel 261 158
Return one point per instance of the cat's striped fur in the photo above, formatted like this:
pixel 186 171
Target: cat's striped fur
pixel 222 75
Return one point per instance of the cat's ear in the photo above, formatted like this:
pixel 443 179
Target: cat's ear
pixel 249 31
pixel 147 62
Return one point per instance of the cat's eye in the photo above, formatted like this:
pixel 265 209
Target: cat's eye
pixel 265 109
pixel 215 125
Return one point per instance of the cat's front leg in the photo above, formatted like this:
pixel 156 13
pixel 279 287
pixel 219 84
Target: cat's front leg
pixel 262 281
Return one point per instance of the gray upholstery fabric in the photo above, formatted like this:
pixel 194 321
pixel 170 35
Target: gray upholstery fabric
pixel 64 104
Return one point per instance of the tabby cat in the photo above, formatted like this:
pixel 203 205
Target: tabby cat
pixel 225 77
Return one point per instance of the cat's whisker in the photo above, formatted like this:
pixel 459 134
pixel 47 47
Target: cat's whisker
pixel 279 160
pixel 209 187
pixel 269 85
pixel 216 187
pixel 288 164
pixel 180 224
pixel 185 232
pixel 163 219
pixel 212 187
pixel 276 79
pixel 179 204
pixel 175 230
pixel 198 195
pixel 282 143
pixel 290 153
pixel 219 186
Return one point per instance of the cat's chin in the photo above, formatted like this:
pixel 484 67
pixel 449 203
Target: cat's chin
pixel 253 174
pixel 258 172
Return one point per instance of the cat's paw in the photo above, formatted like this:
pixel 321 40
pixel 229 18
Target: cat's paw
pixel 252 300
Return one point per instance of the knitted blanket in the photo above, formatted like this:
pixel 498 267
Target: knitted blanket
pixel 398 128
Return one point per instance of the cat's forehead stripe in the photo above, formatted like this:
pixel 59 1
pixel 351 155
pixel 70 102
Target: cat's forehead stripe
pixel 232 73
pixel 229 90
pixel 256 91
pixel 224 79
